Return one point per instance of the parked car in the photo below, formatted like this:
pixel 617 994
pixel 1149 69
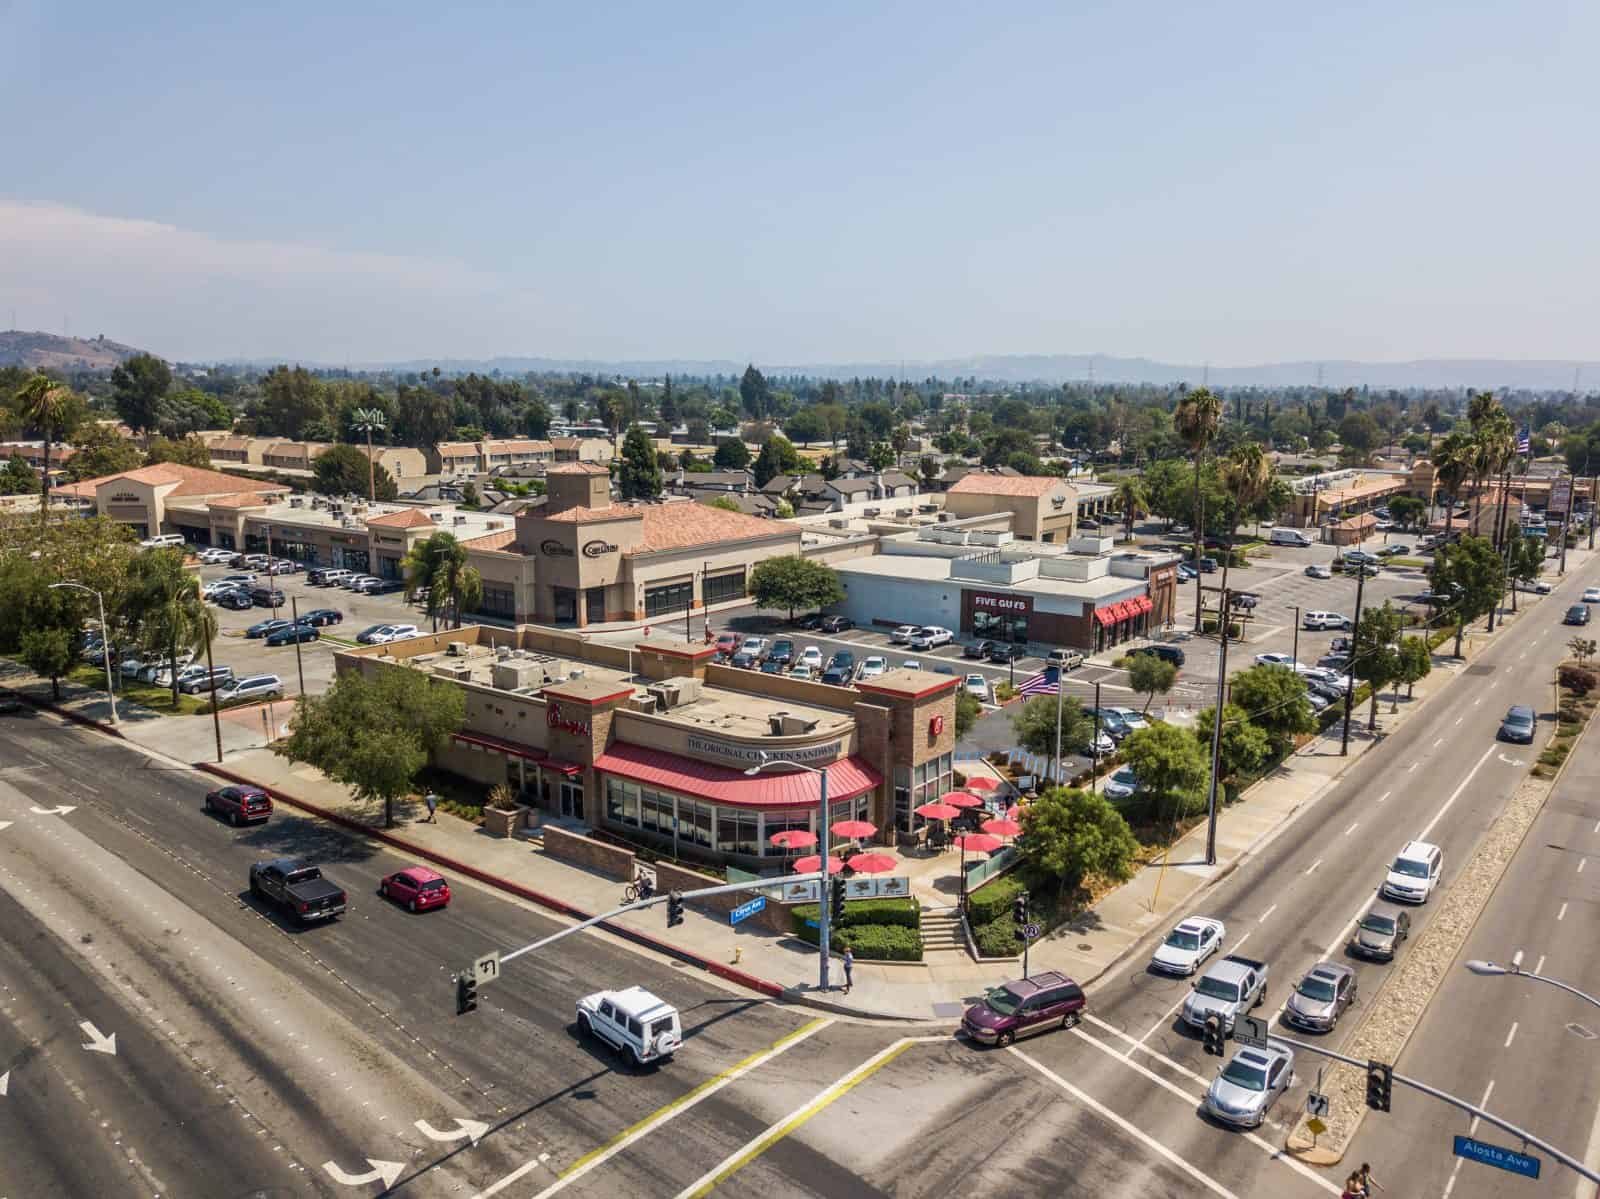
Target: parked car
pixel 357 582
pixel 1167 653
pixel 911 664
pixel 197 680
pixel 419 888
pixel 1097 745
pixel 299 887
pixel 1362 558
pixel 1186 573
pixel 384 633
pixel 152 672
pixel 1380 931
pixel 838 624
pixel 329 576
pixel 1189 945
pixel 874 666
pixel 267 597
pixel 1232 986
pixel 771 666
pixel 1122 783
pixel 1339 683
pixel 1245 601
pixel 782 651
pixel 1038 1003
pixel 1110 723
pixel 1414 873
pixel 638 1025
pixel 237 600
pixel 1518 725
pixel 1591 595
pixel 756 647
pixel 214 557
pixel 1065 659
pixel 240 804
pixel 812 622
pixel 264 628
pixel 1318 571
pixel 384 587
pixel 931 636
pixel 251 687
pixel 811 656
pixel 976 686
pixel 1324 620
pixel 292 635
pixel 238 578
pixel 902 634
pixel 743 660
pixel 844 660
pixel 803 671
pixel 1321 997
pixel 973 649
pixel 1006 651
pixel 318 617
pixel 1244 1090
pixel 728 643
pixel 1207 565
pixel 836 677
pixel 1286 660
pixel 1132 718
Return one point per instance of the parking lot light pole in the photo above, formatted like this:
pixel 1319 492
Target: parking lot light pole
pixel 105 641
pixel 294 627
pixel 1295 653
pixel 1216 741
pixel 767 763
pixel 1490 970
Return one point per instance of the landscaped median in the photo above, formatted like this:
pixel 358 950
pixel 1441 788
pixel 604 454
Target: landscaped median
pixel 1393 1014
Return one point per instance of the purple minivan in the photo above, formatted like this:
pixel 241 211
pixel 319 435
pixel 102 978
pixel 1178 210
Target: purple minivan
pixel 1029 1005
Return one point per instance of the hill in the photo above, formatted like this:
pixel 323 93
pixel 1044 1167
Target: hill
pixel 40 351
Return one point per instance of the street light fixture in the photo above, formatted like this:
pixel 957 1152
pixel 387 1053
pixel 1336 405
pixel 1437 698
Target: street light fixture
pixel 105 641
pixel 767 763
pixel 1491 970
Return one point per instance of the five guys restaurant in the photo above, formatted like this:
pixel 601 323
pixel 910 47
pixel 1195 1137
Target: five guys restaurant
pixel 650 742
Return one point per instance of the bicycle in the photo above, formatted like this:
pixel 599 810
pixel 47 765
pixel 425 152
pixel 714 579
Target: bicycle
pixel 642 887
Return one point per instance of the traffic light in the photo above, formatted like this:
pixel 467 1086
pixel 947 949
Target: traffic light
pixel 674 910
pixel 466 994
pixel 1019 909
pixel 1215 1037
pixel 836 900
pixel 1380 1082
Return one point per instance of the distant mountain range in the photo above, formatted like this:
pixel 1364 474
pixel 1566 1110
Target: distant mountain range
pixel 40 351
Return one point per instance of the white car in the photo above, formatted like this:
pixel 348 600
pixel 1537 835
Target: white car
pixel 931 636
pixel 811 656
pixel 1189 945
pixel 1099 745
pixel 235 580
pixel 977 686
pixel 216 587
pixel 1277 660
pixel 392 632
pixel 357 582
pixel 1132 718
pixel 130 666
pixel 756 647
pixel 1591 595
pixel 1315 571
pixel 1325 620
pixel 634 1022
pixel 1323 675
pixel 871 668
pixel 1414 873
pixel 903 634
pixel 1121 784
pixel 214 557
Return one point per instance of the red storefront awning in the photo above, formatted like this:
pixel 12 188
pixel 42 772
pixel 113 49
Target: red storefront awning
pixel 515 749
pixel 1106 615
pixel 1142 605
pixel 847 778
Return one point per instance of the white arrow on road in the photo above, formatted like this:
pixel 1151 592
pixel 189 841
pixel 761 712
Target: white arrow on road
pixel 384 1172
pixel 1512 761
pixel 4 824
pixel 5 1083
pixel 58 810
pixel 472 1129
pixel 97 1042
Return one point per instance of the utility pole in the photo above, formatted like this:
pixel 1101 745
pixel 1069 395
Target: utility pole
pixel 299 665
pixel 1295 653
pixel 1350 666
pixel 1216 741
pixel 1094 775
pixel 1060 687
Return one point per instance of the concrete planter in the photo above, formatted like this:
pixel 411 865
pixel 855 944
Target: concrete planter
pixel 498 822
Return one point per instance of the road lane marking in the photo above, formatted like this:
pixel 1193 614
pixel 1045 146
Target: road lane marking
pixel 1459 719
pixel 1581 863
pixel 1105 1113
pixel 1265 914
pixel 1274 1153
pixel 1313 865
pixel 1167 1015
pixel 660 1116
pixel 1455 795
pixel 1597 826
pixel 1516 958
pixel 1511 1036
pixel 1477 701
pixel 1412 767
pixel 1347 832
pixel 1471 1129
pixel 1439 742
pixel 1539 969
pixel 1385 796
pixel 1562 914
pixel 758 1145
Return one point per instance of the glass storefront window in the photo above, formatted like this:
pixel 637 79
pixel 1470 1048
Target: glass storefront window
pixel 498 600
pixel 778 822
pixel 669 597
pixel 905 819
pixel 1000 628
pixel 720 588
pixel 738 831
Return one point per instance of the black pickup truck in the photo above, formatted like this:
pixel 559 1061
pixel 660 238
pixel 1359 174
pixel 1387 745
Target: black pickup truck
pixel 297 886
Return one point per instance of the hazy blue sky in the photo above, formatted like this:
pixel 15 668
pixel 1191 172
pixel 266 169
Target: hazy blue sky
pixel 1234 182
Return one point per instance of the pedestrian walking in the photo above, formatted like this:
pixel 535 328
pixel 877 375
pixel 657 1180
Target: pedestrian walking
pixel 432 801
pixel 1352 1188
pixel 849 961
pixel 1367 1181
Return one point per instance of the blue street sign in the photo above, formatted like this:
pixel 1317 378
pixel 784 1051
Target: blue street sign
pixel 747 909
pixel 1494 1155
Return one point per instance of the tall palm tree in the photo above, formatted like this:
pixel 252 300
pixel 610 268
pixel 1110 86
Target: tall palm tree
pixel 1195 419
pixel 165 606
pixel 1246 476
pixel 1452 463
pixel 365 420
pixel 1134 502
pixel 440 564
pixel 44 404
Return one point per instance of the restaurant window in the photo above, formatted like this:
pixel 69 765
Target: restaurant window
pixel 779 822
pixel 499 599
pixel 906 820
pixel 655 813
pixel 669 597
pixel 695 818
pixel 721 588
pixel 622 803
pixel 737 831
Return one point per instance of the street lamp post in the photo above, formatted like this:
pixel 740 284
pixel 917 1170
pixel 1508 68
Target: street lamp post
pixel 767 763
pixel 1295 653
pixel 105 641
pixel 1490 970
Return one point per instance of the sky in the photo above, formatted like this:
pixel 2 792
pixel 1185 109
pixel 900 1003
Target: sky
pixel 1232 183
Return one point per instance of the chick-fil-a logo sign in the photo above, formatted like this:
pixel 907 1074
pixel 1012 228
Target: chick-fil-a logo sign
pixel 553 718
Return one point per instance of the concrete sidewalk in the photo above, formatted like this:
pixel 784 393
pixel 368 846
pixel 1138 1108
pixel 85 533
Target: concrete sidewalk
pixel 937 989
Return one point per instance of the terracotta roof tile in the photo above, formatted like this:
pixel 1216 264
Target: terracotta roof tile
pixel 505 539
pixel 242 499
pixel 578 468
pixel 406 518
pixel 678 526
pixel 190 480
pixel 1030 485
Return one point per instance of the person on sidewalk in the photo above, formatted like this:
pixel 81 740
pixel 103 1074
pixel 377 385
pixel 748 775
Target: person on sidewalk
pixel 1367 1182
pixel 432 801
pixel 849 960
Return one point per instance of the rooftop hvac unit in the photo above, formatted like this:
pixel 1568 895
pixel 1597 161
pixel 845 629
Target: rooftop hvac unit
pixel 459 671
pixel 436 517
pixel 902 511
pixel 514 676
pixel 296 501
pixel 869 512
pixel 665 695
pixel 839 522
pixel 943 516
pixel 794 725
pixel 775 723
pixel 643 703
pixel 502 652
pixel 459 520
pixel 495 524
pixel 575 673
pixel 457 649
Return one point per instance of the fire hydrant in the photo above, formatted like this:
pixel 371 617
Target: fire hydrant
pixel 738 953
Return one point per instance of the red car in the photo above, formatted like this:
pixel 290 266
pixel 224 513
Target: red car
pixel 418 887
pixel 239 804
pixel 728 643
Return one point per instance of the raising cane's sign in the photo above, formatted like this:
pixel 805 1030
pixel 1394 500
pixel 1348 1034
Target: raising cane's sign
pixel 555 718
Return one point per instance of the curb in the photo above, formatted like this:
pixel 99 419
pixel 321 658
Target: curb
pixel 67 713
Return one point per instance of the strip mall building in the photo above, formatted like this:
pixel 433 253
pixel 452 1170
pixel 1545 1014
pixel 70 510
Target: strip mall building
pixel 652 742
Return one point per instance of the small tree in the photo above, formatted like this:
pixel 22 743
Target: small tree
pixel 1245 748
pixel 1034 724
pixel 1576 680
pixel 794 582
pixel 1583 648
pixel 345 470
pixel 724 503
pixel 1478 574
pixel 375 734
pixel 1274 699
pixel 783 510
pixel 1151 676
pixel 732 454
pixel 1172 771
pixel 639 476
pixel 968 710
pixel 1525 558
pixel 1376 658
pixel 1415 664
pixel 1406 511
pixel 50 651
pixel 18 478
pixel 164 605
pixel 1073 835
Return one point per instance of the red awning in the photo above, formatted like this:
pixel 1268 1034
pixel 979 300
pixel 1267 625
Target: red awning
pixel 1106 615
pixel 1121 609
pixel 847 778
pixel 1143 605
pixel 515 749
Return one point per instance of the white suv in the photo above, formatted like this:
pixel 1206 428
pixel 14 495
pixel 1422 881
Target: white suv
pixel 929 636
pixel 1414 873
pixel 1325 620
pixel 633 1022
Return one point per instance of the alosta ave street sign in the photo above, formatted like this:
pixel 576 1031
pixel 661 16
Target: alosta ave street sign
pixel 1496 1156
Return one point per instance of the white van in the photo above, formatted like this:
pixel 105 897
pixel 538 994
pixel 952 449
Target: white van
pixel 162 541
pixel 1292 537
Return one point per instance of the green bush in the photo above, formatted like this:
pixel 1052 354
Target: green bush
pixel 902 913
pixel 993 900
pixel 878 942
pixel 1209 625
pixel 997 939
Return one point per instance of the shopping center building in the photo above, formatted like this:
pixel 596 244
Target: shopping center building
pixel 652 742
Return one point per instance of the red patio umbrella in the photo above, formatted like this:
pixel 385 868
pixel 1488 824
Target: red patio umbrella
pixel 853 828
pixel 978 842
pixel 873 863
pixel 938 811
pixel 813 863
pixel 1001 828
pixel 793 838
pixel 961 799
pixel 980 782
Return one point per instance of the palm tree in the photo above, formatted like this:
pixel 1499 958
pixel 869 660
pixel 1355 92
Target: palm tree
pixel 1247 473
pixel 440 564
pixel 165 606
pixel 366 420
pixel 44 404
pixel 1195 419
pixel 1452 463
pixel 1134 502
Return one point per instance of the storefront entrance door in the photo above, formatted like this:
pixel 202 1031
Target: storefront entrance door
pixel 594 605
pixel 572 798
pixel 1000 628
pixel 566 605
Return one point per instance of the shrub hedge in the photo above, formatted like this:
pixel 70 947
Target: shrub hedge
pixel 993 900
pixel 902 913
pixel 878 942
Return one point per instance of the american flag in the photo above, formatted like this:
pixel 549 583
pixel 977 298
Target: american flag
pixel 1043 683
pixel 1524 439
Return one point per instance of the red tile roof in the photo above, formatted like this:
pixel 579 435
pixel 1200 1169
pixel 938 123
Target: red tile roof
pixel 578 468
pixel 848 777
pixel 676 526
pixel 406 518
pixel 505 539
pixel 190 480
pixel 242 499
pixel 1026 485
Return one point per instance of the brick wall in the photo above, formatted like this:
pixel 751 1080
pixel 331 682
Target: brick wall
pixel 584 851
pixel 780 687
pixel 774 918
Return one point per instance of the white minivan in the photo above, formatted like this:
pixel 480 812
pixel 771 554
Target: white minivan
pixel 1292 537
